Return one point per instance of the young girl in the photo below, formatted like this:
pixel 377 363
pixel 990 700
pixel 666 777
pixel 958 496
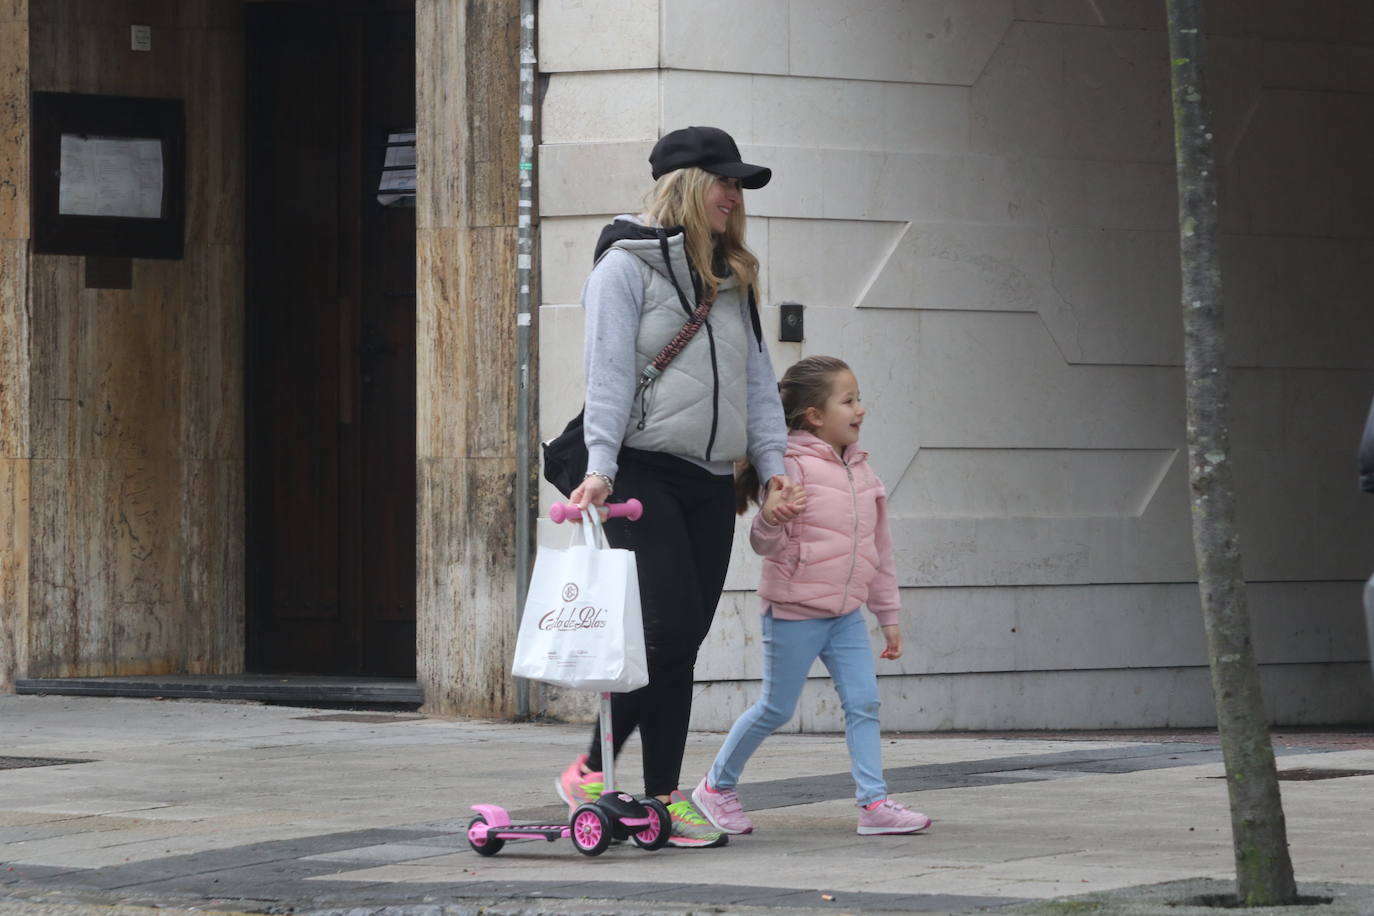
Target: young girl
pixel 828 551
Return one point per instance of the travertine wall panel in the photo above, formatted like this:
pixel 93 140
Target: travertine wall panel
pixel 212 82
pixel 989 236
pixel 105 557
pixel 466 635
pixel 136 477
pixel 212 590
pixel 210 383
pixel 15 330
pixel 467 101
pixel 14 570
pixel 58 299
pixel 14 127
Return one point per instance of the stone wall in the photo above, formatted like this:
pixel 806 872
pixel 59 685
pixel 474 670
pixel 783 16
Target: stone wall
pixel 14 337
pixel 975 201
pixel 122 433
pixel 467 192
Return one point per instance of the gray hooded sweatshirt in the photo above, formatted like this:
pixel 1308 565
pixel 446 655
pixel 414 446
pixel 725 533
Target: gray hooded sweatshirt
pixel 716 402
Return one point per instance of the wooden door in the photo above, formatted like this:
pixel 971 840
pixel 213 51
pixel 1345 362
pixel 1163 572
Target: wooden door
pixel 330 290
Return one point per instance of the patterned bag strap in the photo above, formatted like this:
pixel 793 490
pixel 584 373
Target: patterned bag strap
pixel 680 340
pixel 651 372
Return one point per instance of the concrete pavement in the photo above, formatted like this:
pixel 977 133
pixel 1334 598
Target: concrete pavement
pixel 246 807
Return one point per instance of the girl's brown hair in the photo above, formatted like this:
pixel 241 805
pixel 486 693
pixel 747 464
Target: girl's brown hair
pixel 806 383
pixel 679 199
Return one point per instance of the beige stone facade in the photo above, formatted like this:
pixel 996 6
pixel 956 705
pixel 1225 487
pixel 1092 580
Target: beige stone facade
pixel 973 199
pixel 122 418
pixel 975 202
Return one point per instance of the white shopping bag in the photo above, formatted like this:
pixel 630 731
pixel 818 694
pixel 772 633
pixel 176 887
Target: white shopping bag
pixel 581 625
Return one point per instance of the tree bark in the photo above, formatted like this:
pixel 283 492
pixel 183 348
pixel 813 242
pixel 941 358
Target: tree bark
pixel 1264 871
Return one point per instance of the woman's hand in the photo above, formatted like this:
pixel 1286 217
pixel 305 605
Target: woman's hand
pixel 892 634
pixel 593 491
pixel 783 500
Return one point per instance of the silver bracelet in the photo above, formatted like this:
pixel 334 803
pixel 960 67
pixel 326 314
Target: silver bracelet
pixel 610 487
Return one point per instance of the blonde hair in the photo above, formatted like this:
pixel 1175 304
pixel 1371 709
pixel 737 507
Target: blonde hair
pixel 679 199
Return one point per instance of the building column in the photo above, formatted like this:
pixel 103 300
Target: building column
pixel 467 85
pixel 14 341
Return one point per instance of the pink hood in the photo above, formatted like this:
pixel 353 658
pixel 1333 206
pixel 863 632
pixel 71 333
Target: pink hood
pixel 837 554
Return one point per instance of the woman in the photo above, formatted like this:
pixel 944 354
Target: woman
pixel 671 439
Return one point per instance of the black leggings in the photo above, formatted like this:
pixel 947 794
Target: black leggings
pixel 682 550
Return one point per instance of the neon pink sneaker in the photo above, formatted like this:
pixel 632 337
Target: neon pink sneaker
pixel 722 808
pixel 888 816
pixel 576 787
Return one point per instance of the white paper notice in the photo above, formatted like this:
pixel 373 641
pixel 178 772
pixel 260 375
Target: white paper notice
pixel 110 176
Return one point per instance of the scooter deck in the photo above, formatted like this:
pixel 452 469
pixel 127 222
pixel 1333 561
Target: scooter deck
pixel 549 832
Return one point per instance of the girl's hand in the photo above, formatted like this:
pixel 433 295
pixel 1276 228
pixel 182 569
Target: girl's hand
pixel 893 635
pixel 591 492
pixel 783 501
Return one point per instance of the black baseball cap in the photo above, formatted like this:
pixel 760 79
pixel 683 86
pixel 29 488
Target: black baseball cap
pixel 708 148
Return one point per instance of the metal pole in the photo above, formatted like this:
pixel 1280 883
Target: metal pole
pixel 524 266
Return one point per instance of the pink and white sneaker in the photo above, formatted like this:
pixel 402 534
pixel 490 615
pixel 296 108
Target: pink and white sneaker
pixel 578 788
pixel 722 808
pixel 889 817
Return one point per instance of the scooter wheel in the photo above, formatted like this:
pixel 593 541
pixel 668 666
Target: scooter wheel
pixel 591 830
pixel 654 836
pixel 488 846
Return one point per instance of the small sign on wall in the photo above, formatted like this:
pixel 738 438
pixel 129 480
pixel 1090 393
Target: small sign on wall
pixel 140 38
pixel 108 175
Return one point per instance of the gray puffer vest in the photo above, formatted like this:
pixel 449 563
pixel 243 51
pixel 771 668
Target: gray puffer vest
pixel 699 406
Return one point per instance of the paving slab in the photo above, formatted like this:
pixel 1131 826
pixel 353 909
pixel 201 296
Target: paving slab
pixel 245 807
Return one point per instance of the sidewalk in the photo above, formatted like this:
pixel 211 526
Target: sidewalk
pixel 250 808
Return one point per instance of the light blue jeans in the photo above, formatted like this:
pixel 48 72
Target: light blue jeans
pixel 789 648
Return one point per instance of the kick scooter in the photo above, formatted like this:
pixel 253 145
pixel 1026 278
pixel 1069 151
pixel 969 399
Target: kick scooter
pixel 592 825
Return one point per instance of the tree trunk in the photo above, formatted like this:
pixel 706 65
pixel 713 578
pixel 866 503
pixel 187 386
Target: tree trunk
pixel 1264 871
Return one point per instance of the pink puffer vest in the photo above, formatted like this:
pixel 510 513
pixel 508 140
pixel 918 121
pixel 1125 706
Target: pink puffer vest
pixel 837 554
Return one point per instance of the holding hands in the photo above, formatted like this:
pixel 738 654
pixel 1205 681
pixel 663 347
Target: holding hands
pixel 892 634
pixel 783 501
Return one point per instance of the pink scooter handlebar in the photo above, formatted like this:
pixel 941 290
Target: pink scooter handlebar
pixel 631 509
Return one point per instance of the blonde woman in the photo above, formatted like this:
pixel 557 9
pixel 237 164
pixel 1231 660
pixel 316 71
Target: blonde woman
pixel 671 438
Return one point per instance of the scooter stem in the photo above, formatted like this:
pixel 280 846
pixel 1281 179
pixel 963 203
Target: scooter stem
pixel 607 744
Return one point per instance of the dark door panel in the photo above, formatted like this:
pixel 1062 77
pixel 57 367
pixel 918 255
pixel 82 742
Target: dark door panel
pixel 330 347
